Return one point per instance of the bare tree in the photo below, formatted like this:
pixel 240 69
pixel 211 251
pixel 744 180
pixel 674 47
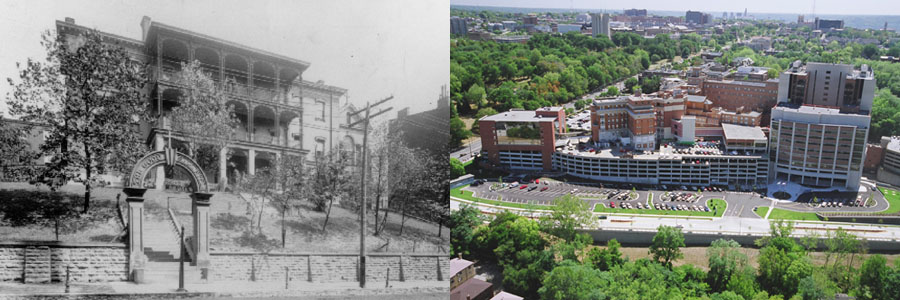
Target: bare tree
pixel 291 184
pixel 330 182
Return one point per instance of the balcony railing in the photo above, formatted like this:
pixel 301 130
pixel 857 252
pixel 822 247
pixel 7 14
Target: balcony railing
pixel 171 74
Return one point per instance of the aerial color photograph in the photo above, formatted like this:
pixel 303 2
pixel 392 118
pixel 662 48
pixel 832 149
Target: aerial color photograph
pixel 740 150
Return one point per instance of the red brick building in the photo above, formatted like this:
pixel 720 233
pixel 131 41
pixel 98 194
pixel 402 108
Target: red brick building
pixel 731 95
pixel 523 140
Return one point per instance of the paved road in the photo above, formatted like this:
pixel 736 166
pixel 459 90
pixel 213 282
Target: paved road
pixel 463 154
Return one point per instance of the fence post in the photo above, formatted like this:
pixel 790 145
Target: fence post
pixel 387 279
pixel 68 269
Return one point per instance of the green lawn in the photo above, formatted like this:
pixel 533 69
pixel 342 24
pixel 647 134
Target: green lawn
pixel 721 204
pixel 783 214
pixel 893 198
pixel 467 195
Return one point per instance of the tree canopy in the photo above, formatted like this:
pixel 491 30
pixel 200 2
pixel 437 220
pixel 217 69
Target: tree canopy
pixel 89 95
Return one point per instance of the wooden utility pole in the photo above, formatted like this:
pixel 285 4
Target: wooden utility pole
pixel 362 202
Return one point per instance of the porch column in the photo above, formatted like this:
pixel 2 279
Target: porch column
pixel 250 127
pixel 136 258
pixel 223 169
pixel 278 161
pixel 201 231
pixel 277 121
pixel 159 143
pixel 251 161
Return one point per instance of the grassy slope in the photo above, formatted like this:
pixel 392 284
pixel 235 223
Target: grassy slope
pixel 892 196
pixel 783 214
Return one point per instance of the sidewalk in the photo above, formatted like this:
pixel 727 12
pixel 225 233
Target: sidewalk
pixel 11 290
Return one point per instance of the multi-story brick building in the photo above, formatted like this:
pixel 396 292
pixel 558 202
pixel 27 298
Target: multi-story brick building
pixel 645 120
pixel 522 140
pixel 280 113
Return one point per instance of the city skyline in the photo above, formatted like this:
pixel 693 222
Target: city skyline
pixel 344 40
pixel 822 7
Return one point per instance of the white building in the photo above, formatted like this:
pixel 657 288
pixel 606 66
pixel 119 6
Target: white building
pixel 600 25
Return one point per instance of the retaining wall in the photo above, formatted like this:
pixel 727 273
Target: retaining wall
pixel 326 267
pixel 47 262
pixel 693 239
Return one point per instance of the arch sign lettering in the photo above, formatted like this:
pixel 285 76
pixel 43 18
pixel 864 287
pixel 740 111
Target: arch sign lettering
pixel 171 159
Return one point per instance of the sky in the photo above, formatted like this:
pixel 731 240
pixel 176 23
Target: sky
pixel 837 7
pixel 373 49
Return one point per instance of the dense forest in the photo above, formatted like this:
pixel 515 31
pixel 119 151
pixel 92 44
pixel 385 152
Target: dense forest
pixel 550 69
pixel 548 259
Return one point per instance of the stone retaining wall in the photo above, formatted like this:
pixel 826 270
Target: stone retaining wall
pixel 326 267
pixel 47 262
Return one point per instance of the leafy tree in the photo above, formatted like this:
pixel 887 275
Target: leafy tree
pixel 15 152
pixel 870 51
pixel 571 280
pixel 725 259
pixel 885 114
pixel 611 91
pixel 816 287
pixel 475 95
pixel 89 94
pixel 799 268
pixel 487 111
pixel 456 168
pixel 607 258
pixel 726 295
pixel 462 229
pixel 458 132
pixel 567 214
pixel 666 245
pixel 841 248
pixel 630 83
pixel 650 85
pixel 518 247
pixel 743 282
pixel 778 260
pixel 873 278
pixel 204 116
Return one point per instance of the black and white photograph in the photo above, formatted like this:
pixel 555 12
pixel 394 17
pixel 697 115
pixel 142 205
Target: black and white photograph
pixel 217 149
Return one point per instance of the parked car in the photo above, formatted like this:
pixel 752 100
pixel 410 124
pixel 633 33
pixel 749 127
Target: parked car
pixel 544 188
pixel 523 186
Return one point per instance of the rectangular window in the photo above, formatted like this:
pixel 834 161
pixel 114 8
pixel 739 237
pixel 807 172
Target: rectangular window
pixel 321 106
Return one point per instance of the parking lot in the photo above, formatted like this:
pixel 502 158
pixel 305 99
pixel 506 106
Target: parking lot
pixel 580 121
pixel 740 204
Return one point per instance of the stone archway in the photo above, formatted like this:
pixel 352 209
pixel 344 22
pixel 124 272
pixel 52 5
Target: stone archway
pixel 170 159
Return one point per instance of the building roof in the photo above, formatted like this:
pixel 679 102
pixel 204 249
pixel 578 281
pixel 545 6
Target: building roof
pixel 738 132
pixel 458 264
pixel 695 98
pixel 894 144
pixel 472 287
pixel 518 116
pixel 506 296
pixel 154 26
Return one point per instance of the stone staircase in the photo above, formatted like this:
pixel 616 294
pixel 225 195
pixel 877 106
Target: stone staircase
pixel 162 249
